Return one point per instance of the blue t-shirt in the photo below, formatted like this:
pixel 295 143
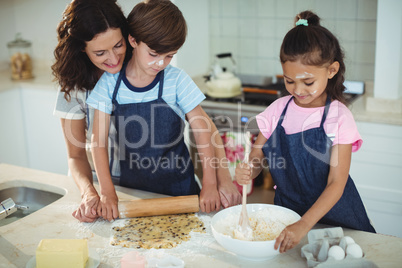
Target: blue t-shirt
pixel 179 92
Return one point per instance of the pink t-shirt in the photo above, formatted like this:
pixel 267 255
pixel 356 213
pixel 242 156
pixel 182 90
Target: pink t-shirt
pixel 339 126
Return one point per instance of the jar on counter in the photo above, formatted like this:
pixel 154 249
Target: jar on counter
pixel 20 58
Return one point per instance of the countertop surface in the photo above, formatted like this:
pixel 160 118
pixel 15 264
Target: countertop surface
pixel 18 240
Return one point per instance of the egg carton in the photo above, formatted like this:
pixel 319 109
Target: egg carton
pixel 326 238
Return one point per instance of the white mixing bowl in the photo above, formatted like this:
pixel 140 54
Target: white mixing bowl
pixel 224 221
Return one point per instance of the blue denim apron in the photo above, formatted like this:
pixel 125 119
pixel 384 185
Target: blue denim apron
pixel 153 155
pixel 299 165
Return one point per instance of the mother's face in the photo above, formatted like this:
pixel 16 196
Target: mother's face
pixel 107 50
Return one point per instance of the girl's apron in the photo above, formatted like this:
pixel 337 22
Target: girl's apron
pixel 299 164
pixel 153 154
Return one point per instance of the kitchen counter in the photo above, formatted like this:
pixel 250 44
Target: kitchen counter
pixel 43 79
pixel 18 240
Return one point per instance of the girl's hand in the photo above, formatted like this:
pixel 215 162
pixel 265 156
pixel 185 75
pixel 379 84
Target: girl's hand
pixel 209 198
pixel 291 236
pixel 243 173
pixel 108 208
pixel 87 210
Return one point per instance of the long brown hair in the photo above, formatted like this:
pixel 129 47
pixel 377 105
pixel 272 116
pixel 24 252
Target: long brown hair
pixel 82 21
pixel 159 24
pixel 315 45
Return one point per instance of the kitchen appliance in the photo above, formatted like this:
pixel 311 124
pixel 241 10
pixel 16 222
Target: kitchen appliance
pixel 20 58
pixel 353 89
pixel 223 83
pixel 158 206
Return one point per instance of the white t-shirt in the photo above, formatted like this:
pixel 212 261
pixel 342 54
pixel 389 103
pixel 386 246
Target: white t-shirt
pixel 77 109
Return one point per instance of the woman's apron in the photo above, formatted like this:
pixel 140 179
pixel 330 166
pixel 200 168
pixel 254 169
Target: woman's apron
pixel 299 164
pixel 153 154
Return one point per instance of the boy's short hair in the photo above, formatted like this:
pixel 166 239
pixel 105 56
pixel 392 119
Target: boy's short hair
pixel 159 24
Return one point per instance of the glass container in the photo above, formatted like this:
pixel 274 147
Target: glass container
pixel 20 58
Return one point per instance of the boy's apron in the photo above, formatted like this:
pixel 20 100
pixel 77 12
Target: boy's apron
pixel 299 164
pixel 153 154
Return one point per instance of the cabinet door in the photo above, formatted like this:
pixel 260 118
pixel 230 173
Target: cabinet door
pixel 46 147
pixel 376 169
pixel 12 141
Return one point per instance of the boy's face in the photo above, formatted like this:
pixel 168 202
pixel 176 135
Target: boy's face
pixel 148 59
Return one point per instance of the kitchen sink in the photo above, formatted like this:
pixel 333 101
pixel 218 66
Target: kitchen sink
pixel 34 196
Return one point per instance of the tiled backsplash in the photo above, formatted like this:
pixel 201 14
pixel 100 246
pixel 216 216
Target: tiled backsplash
pixel 253 31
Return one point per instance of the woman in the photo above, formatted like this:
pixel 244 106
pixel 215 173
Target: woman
pixel 91 40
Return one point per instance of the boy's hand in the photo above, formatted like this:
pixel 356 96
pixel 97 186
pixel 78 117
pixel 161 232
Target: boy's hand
pixel 243 173
pixel 108 208
pixel 209 198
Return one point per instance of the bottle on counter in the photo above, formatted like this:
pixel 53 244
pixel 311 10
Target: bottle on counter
pixel 20 58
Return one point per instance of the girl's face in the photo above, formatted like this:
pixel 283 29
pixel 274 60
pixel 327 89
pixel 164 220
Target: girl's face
pixel 107 50
pixel 307 83
pixel 148 60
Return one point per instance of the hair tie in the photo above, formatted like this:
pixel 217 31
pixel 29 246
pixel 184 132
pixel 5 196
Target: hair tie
pixel 302 22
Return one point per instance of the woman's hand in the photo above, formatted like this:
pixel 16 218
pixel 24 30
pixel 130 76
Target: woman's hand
pixel 209 198
pixel 243 173
pixel 87 210
pixel 291 236
pixel 108 208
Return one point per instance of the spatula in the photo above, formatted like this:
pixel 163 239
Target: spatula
pixel 244 231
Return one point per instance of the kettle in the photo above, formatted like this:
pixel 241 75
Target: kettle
pixel 223 83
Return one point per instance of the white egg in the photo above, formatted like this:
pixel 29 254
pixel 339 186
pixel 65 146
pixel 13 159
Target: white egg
pixel 354 250
pixel 336 252
pixel 346 241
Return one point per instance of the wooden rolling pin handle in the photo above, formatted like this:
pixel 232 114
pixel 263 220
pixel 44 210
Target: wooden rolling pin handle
pixel 159 206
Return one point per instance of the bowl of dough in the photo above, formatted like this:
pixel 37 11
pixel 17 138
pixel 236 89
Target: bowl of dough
pixel 266 221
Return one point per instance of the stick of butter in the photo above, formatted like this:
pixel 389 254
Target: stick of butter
pixel 62 253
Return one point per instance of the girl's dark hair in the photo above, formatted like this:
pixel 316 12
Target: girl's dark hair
pixel 159 24
pixel 82 21
pixel 315 45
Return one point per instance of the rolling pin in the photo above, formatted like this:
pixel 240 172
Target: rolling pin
pixel 158 206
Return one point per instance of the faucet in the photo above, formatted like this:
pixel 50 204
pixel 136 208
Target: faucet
pixel 8 207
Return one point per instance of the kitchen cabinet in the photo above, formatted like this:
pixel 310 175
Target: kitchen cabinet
pixel 31 136
pixel 13 148
pixel 44 137
pixel 376 169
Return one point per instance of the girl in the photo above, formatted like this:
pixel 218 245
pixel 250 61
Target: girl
pixel 307 138
pixel 150 100
pixel 92 39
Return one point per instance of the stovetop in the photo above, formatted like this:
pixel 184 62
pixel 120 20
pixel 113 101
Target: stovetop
pixel 254 97
pixel 241 99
